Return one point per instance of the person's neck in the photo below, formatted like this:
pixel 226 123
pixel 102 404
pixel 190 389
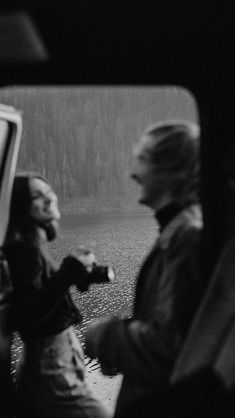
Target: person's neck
pixel 41 236
pixel 168 212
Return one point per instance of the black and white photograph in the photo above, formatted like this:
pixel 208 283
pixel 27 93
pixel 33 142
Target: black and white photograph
pixel 117 203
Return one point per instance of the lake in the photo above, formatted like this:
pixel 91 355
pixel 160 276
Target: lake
pixel 123 242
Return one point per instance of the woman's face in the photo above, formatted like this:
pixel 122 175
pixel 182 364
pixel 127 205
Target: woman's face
pixel 44 203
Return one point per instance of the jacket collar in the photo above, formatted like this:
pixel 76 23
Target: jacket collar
pixel 191 215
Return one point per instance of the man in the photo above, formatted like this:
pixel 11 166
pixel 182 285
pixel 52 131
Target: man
pixel 169 287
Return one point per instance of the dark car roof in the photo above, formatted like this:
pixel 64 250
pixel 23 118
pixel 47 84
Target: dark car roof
pixel 111 42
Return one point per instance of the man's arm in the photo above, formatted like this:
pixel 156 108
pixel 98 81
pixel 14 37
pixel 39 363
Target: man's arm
pixel 149 348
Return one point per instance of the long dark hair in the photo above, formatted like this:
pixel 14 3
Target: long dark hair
pixel 21 225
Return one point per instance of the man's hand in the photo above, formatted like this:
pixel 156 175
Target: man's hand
pixel 93 336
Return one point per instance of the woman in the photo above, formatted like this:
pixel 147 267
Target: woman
pixel 51 379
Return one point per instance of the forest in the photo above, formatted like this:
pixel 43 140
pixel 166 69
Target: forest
pixel 81 138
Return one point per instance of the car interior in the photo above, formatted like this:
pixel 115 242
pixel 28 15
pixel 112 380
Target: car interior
pixel 141 43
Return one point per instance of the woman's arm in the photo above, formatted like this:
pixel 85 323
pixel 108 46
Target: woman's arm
pixel 38 285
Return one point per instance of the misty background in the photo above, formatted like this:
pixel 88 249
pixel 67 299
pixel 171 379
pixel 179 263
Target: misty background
pixel 81 138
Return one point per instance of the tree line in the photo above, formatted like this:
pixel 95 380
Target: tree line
pixel 81 138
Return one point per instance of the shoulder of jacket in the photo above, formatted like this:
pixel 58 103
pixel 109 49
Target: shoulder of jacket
pixel 187 220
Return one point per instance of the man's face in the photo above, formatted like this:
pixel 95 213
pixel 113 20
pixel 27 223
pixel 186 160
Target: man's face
pixel 44 203
pixel 153 190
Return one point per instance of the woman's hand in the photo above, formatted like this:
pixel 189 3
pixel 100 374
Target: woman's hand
pixel 85 256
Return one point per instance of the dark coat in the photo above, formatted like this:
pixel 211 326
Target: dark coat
pixel 41 303
pixel 169 287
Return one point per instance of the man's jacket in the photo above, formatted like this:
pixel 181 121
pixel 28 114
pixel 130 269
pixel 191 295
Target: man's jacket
pixel 168 291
